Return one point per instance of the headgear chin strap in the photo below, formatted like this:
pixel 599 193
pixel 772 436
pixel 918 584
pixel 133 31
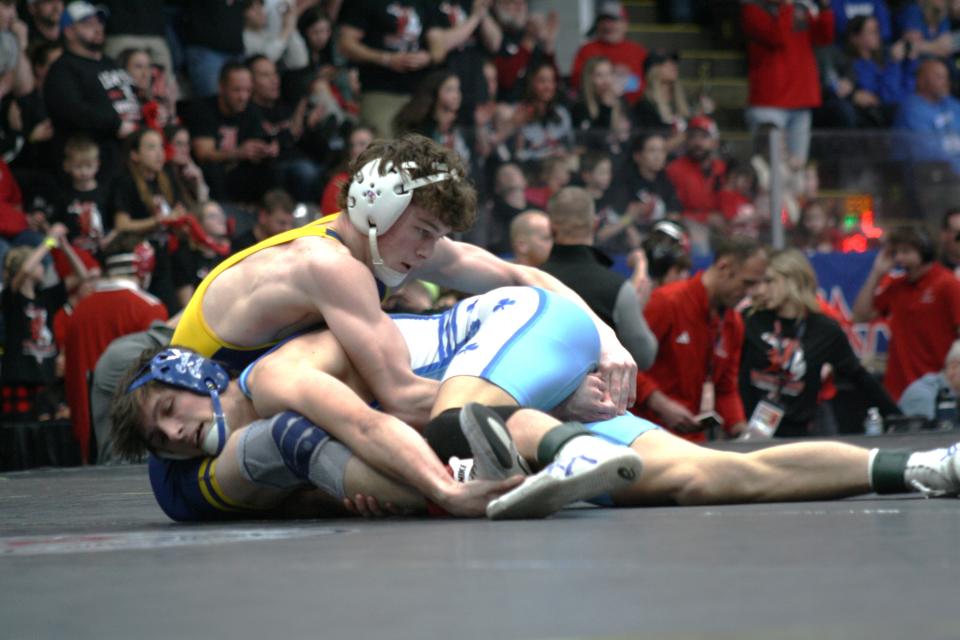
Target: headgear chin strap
pixel 193 372
pixel 375 201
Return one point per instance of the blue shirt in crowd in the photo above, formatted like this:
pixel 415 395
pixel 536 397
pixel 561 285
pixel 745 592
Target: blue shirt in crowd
pixel 891 82
pixel 846 10
pixel 934 130
pixel 911 19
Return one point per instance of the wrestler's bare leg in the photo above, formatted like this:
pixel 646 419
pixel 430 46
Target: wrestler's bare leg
pixel 676 471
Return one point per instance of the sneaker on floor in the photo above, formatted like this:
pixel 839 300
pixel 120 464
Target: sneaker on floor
pixel 935 472
pixel 568 479
pixel 495 455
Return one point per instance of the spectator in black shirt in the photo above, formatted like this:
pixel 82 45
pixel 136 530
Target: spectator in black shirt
pixel 30 352
pixel 387 40
pixel 229 142
pixel 274 216
pixel 596 176
pixel 38 151
pixel 146 201
pixel 213 38
pixel 180 165
pixel 578 264
pixel 285 124
pixel 598 112
pixel 463 37
pixel 648 195
pixel 192 261
pixel 509 199
pixel 87 92
pixel 786 343
pixel 44 20
pixel 138 24
pixel 84 198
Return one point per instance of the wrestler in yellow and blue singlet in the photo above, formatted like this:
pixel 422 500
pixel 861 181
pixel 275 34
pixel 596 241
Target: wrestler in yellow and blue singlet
pixel 193 331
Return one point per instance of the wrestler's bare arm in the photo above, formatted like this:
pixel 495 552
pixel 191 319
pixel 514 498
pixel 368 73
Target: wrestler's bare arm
pixel 372 341
pixel 282 382
pixel 308 502
pixel 469 268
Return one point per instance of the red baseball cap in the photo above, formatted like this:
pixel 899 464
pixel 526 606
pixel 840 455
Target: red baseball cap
pixel 705 124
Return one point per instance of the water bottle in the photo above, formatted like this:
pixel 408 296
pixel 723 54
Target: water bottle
pixel 946 413
pixel 873 423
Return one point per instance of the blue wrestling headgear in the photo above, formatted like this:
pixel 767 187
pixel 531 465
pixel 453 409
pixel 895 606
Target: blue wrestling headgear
pixel 375 201
pixel 193 372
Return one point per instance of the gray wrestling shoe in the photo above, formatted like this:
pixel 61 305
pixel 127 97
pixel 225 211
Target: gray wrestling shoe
pixel 585 468
pixel 935 472
pixel 495 455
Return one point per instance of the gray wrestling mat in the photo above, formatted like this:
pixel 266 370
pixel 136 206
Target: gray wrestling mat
pixel 85 553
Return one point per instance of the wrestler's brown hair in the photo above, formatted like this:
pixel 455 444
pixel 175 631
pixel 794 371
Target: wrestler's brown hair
pixel 454 202
pixel 126 413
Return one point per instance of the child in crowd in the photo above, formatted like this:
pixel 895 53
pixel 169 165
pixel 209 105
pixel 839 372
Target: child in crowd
pixel 817 230
pixel 554 175
pixel 29 355
pixel 596 175
pixel 85 200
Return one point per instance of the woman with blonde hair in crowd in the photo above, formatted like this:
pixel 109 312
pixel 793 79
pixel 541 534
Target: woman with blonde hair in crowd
pixel 664 105
pixel 787 342
pixel 597 114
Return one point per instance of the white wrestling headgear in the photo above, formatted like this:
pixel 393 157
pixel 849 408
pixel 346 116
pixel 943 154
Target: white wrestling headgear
pixel 375 201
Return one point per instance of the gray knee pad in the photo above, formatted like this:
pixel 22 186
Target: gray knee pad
pixel 288 451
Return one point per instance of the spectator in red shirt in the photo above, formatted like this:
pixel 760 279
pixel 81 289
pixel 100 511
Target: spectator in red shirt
pixel 784 81
pixel 610 42
pixel 117 306
pixel 921 304
pixel 700 336
pixel 698 175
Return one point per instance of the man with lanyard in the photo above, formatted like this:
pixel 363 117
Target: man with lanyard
pixel 700 336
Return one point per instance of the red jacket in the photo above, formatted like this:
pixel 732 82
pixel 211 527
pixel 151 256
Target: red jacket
pixel 626 54
pixel 694 345
pixel 114 309
pixel 924 317
pixel 12 220
pixel 780 40
pixel 699 192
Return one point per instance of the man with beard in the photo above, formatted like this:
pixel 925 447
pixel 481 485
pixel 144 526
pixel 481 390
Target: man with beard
pixel 698 175
pixel 44 20
pixel 87 92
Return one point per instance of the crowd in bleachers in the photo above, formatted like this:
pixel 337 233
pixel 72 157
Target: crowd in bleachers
pixel 142 141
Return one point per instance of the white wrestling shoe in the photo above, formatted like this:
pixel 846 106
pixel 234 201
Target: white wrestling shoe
pixel 586 467
pixel 495 455
pixel 935 472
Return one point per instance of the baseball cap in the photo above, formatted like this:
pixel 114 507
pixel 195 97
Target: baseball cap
pixel 705 124
pixel 79 11
pixel 608 10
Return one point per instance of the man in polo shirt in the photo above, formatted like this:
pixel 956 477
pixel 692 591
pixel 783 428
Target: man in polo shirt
pixel 698 175
pixel 700 336
pixel 921 305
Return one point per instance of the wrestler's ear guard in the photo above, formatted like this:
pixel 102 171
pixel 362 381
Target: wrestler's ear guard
pixel 191 371
pixel 377 198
